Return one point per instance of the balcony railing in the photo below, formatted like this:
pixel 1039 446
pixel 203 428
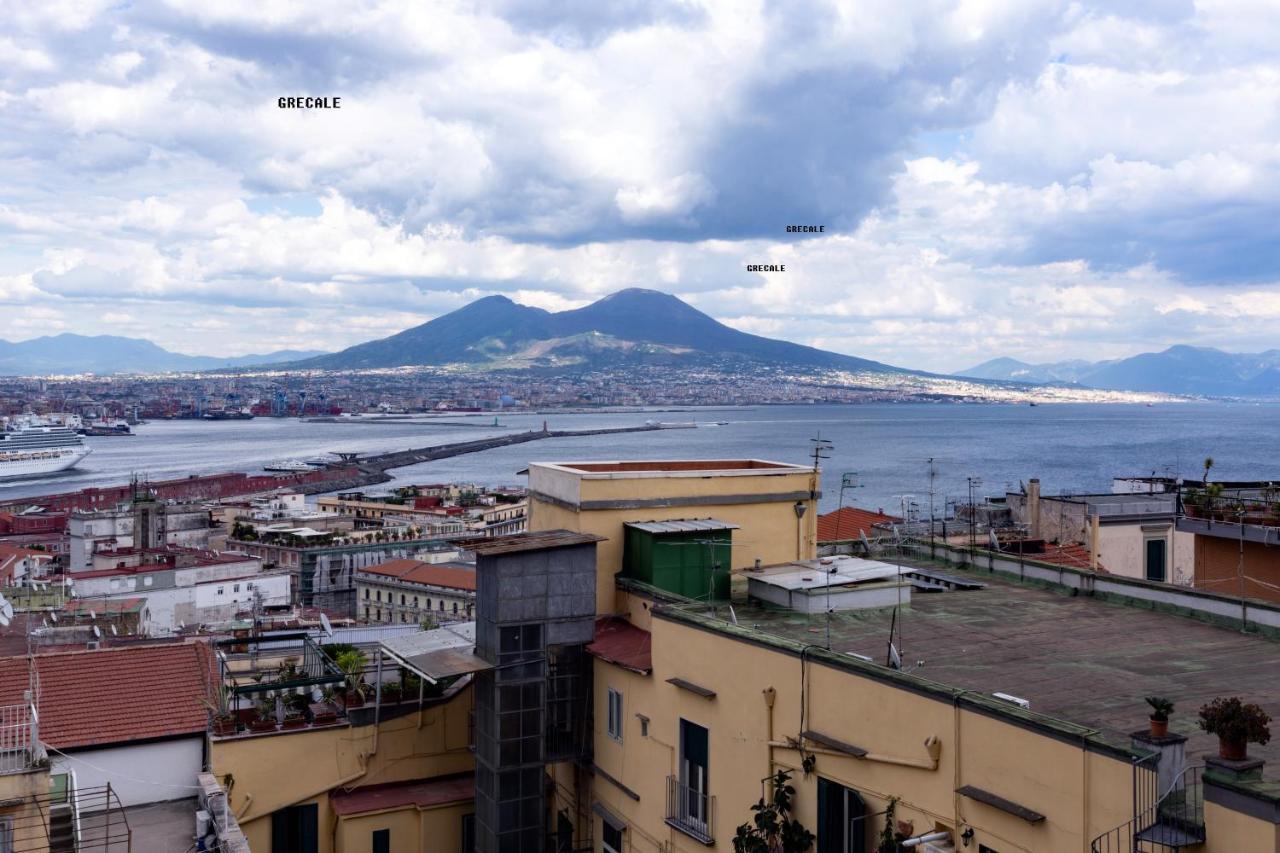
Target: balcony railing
pixel 690 810
pixel 19 738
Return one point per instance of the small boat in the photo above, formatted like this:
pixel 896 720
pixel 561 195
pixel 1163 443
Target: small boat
pixel 288 466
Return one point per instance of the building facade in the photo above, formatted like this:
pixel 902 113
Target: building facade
pixel 405 591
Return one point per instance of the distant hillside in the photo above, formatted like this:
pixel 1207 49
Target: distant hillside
pixel 68 353
pixel 626 327
pixel 1184 370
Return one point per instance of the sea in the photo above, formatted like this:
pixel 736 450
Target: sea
pixel 895 456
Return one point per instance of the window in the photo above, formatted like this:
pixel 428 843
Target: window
pixel 455 607
pixel 6 835
pixel 219 590
pixel 378 614
pixel 366 614
pixel 366 593
pixel 692 801
pixel 1155 560
pixel 378 595
pixel 293 829
pixel 235 588
pixel 404 617
pixel 441 603
pixel 428 604
pixel 415 601
pixel 982 848
pixel 615 714
pixel 402 599
pixel 610 838
pixel 841 813
pixel 382 841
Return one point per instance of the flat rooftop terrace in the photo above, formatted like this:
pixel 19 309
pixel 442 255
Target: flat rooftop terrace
pixel 1080 659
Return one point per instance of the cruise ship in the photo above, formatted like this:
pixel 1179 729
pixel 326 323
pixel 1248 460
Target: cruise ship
pixel 30 448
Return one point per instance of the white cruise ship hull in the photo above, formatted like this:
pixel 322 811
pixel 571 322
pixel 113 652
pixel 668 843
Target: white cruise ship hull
pixel 19 464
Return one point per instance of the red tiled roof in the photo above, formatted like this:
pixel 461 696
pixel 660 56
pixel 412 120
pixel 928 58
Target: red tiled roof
pixel 846 523
pixel 1072 555
pixel 420 793
pixel 618 641
pixel 415 571
pixel 10 556
pixel 115 696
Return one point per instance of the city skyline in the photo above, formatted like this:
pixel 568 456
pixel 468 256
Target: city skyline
pixel 1040 180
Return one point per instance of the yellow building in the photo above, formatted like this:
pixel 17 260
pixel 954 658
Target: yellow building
pixel 390 774
pixel 999 721
pixel 772 503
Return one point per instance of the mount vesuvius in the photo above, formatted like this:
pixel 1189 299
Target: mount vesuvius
pixel 628 327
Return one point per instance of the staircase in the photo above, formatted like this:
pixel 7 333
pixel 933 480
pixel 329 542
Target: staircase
pixel 1172 822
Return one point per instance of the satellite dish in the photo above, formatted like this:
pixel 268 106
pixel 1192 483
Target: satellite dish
pixel 995 543
pixel 324 623
pixel 92 616
pixel 862 537
pixel 895 659
pixel 53 616
pixel 44 623
pixel 114 632
pixel 181 625
pixel 97 632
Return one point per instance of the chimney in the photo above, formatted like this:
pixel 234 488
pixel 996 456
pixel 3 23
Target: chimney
pixel 1033 506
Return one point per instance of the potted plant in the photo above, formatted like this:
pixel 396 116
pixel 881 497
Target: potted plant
pixel 224 722
pixel 266 719
pixel 352 663
pixel 1237 724
pixel 391 692
pixel 1161 708
pixel 296 708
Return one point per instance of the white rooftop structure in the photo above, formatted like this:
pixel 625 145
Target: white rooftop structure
pixel 838 582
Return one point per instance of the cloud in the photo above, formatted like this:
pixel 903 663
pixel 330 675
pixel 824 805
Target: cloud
pixel 1039 177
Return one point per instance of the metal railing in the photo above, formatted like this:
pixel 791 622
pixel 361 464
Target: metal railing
pixel 19 738
pixel 1173 821
pixel 690 810
pixel 69 820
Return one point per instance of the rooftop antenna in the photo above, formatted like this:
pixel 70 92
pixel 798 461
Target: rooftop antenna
pixel 848 480
pixel 821 450
pixel 933 474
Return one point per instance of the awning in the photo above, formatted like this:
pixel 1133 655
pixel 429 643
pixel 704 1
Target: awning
pixel 440 653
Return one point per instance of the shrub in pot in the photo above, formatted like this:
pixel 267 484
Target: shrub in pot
pixel 1161 708
pixel 1237 724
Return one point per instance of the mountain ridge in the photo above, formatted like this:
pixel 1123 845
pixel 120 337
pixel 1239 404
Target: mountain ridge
pixel 1179 369
pixel 635 324
pixel 68 352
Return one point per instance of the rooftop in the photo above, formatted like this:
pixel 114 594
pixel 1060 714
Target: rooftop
pixel 416 571
pixel 419 793
pixel 117 695
pixel 848 522
pixel 680 525
pixel 1079 659
pixel 659 467
pixel 530 542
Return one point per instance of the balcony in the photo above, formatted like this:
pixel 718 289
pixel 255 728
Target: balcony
pixel 20 748
pixel 691 811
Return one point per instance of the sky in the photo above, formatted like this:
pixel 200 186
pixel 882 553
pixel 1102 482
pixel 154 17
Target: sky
pixel 1034 178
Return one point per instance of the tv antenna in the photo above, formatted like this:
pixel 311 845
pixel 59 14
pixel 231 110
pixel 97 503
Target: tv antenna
pixel 820 450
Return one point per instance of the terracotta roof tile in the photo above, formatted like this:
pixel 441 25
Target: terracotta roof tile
pixel 118 695
pixel 415 571
pixel 846 523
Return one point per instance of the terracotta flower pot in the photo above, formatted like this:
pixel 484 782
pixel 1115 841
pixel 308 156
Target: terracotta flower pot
pixel 325 718
pixel 262 726
pixel 1233 750
pixel 298 722
pixel 224 726
pixel 1159 728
